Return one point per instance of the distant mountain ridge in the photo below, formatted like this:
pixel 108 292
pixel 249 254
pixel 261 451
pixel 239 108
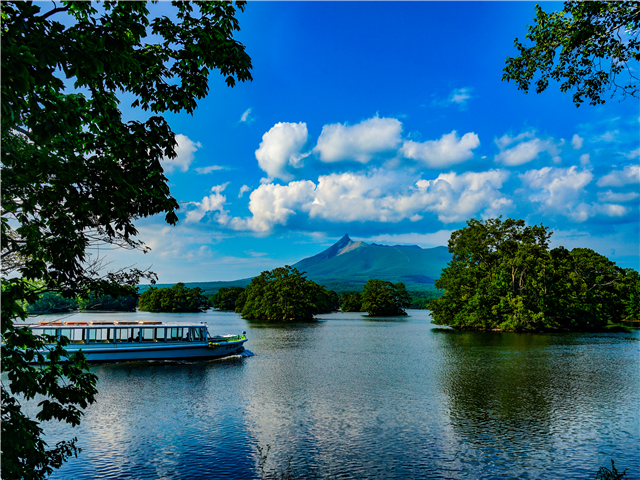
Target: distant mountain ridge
pixel 348 265
pixel 356 262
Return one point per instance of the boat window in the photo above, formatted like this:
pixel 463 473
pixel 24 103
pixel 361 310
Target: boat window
pixel 49 331
pixel 176 334
pixel 98 335
pixel 122 334
pixel 160 334
pixel 66 332
pixel 197 334
pixel 77 335
pixel 147 334
pixel 135 336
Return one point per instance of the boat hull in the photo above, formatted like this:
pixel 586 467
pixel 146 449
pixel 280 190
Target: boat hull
pixel 114 352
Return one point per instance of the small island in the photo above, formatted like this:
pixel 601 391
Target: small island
pixel 177 299
pixel 284 294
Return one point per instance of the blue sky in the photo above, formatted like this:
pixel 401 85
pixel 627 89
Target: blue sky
pixel 389 122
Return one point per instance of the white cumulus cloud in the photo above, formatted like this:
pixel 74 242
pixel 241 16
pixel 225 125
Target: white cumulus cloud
pixel 525 150
pixel 281 147
pixel 617 178
pixel 449 150
pixel 559 190
pixel 184 150
pixel 359 142
pixel 211 203
pixel 272 204
pixel 456 197
pixel 380 195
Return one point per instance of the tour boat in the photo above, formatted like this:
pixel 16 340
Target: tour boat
pixel 106 341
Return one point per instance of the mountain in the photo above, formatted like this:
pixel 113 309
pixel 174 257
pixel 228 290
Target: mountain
pixel 347 265
pixel 356 262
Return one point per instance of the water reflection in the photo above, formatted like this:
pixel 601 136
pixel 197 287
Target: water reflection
pixel 523 400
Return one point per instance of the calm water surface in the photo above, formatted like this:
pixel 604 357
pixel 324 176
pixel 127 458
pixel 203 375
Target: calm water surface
pixel 353 397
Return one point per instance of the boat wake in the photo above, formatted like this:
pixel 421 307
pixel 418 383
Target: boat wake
pixel 247 353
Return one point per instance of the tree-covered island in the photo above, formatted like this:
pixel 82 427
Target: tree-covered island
pixel 176 299
pixel 382 298
pixel 284 294
pixel 226 298
pixel 503 276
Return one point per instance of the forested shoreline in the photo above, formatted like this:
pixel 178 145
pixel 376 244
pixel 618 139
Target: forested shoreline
pixel 503 276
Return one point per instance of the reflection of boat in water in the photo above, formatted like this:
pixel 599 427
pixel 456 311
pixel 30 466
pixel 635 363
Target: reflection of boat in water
pixel 108 341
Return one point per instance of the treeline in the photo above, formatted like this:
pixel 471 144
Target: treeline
pixel 285 294
pixel 175 299
pixel 504 276
pixel 53 302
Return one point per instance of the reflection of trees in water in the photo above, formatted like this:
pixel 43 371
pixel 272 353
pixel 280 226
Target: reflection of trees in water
pixel 541 398
pixel 497 387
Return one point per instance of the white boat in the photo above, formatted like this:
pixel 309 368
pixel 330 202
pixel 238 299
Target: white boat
pixel 105 341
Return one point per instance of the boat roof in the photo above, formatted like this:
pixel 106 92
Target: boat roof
pixel 113 323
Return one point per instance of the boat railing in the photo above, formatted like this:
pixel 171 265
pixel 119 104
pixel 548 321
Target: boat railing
pixel 219 341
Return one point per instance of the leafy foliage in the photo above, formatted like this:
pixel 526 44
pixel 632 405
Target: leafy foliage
pixel 351 302
pixel 284 294
pixel 122 303
pixel 173 300
pixel 585 47
pixel 420 299
pixel 503 276
pixel 52 302
pixel 382 298
pixel 225 298
pixel 75 176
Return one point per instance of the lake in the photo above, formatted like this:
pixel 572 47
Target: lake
pixel 356 397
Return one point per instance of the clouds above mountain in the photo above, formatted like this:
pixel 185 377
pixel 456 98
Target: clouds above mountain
pixel 360 142
pixel 379 196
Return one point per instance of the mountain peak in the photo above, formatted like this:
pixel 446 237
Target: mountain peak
pixel 343 245
pixel 344 241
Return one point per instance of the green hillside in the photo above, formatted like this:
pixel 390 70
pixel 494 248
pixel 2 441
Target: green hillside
pixel 356 262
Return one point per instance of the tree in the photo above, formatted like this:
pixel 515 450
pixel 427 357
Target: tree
pixel 75 175
pixel 123 303
pixel 502 276
pixel 226 298
pixel 585 47
pixel 284 294
pixel 51 302
pixel 325 301
pixel 351 302
pixel 382 298
pixel 176 299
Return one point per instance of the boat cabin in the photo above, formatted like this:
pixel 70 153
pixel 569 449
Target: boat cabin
pixel 144 331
